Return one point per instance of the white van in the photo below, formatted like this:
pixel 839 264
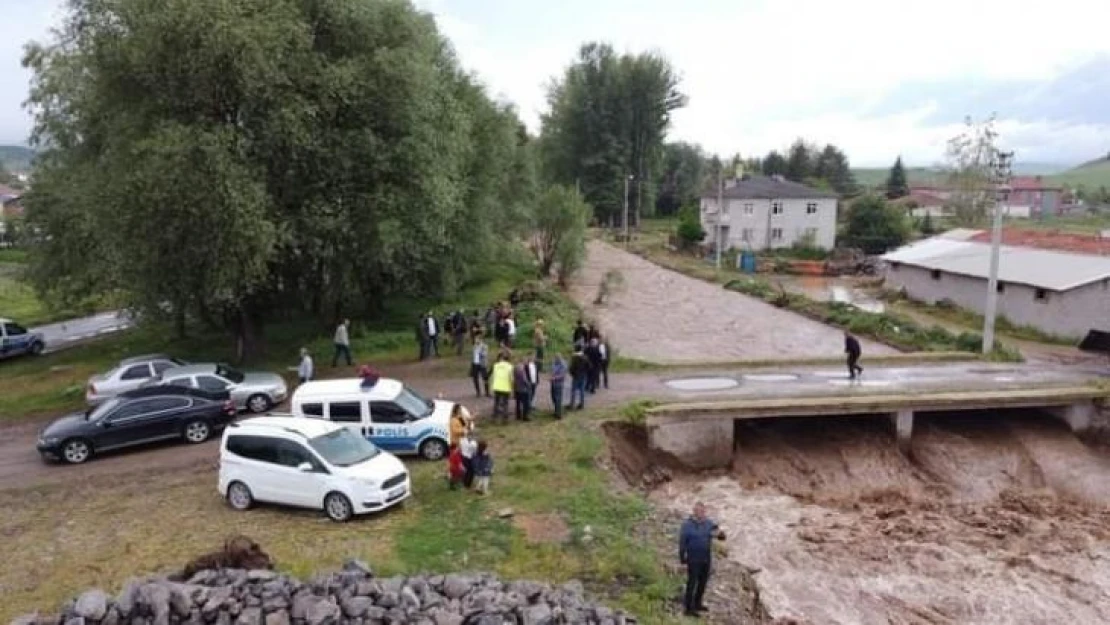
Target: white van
pixel 308 463
pixel 389 414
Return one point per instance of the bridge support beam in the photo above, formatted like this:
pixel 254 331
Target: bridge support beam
pixel 1078 416
pixel 902 420
pixel 697 444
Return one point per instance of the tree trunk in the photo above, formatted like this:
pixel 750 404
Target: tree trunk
pixel 250 343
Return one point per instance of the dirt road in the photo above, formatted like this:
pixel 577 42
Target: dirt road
pixel 662 316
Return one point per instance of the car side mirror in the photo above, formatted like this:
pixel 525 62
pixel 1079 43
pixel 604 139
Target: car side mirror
pixel 105 423
pixel 305 467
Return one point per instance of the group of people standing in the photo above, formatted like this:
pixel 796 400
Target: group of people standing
pixel 469 460
pixel 519 379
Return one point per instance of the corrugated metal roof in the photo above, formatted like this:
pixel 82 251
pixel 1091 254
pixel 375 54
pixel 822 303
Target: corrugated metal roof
pixel 1042 269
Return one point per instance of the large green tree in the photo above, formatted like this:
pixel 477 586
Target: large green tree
pixel 681 177
pixel 800 160
pixel 241 159
pixel 875 226
pixel 832 166
pixel 774 164
pixel 607 120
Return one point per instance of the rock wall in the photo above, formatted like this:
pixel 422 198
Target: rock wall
pixel 352 595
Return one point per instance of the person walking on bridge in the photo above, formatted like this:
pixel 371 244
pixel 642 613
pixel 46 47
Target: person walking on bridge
pixel 852 349
pixel 695 550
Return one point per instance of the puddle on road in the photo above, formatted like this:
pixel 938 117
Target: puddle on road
pixel 702 384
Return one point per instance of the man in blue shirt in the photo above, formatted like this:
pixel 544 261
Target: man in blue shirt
pixel 695 550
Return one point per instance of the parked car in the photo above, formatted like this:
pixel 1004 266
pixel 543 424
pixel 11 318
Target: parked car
pixel 128 374
pixel 389 414
pixel 140 416
pixel 308 463
pixel 15 340
pixel 253 391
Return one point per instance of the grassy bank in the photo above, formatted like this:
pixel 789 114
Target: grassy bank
pixel 567 523
pixel 944 311
pixel 54 383
pixel 892 329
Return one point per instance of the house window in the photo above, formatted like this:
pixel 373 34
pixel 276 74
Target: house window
pixel 1000 287
pixel 1041 295
pixel 776 234
pixel 749 209
pixel 936 274
pixel 776 208
pixel 746 234
pixel 811 208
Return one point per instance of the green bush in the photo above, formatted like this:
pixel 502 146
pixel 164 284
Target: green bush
pixel 689 231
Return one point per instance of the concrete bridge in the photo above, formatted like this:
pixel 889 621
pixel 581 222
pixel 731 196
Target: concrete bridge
pixel 703 434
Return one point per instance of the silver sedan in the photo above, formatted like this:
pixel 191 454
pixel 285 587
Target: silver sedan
pixel 128 375
pixel 254 391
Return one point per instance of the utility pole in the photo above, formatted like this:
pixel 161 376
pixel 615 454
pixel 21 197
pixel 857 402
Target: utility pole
pixel 1001 163
pixel 626 235
pixel 720 213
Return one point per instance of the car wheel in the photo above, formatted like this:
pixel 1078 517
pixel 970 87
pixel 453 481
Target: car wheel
pixel 76 451
pixel 258 403
pixel 338 507
pixel 197 431
pixel 36 348
pixel 433 449
pixel 239 496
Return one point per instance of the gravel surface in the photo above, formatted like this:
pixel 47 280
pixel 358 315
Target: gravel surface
pixel 662 316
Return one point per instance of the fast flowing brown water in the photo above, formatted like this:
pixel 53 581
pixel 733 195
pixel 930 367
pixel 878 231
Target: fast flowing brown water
pixel 997 519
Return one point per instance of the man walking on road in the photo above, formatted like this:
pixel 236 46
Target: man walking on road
pixel 851 347
pixel 579 372
pixel 695 550
pixel 342 342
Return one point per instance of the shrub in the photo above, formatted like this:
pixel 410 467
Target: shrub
pixel 689 232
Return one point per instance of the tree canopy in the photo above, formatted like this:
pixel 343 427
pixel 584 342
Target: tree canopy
pixel 875 226
pixel 608 118
pixel 682 177
pixel 240 158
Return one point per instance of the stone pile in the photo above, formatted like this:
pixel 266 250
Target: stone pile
pixel 350 596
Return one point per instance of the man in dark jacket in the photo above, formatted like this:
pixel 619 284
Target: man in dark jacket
pixel 522 391
pixel 579 371
pixel 593 354
pixel 695 550
pixel 580 334
pixel 851 347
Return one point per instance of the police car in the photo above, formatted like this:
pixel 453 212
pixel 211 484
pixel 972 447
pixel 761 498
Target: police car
pixel 389 414
pixel 16 340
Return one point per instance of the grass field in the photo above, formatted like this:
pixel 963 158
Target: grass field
pixel 86 534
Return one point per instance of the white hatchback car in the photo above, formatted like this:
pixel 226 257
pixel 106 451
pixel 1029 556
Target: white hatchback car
pixel 308 463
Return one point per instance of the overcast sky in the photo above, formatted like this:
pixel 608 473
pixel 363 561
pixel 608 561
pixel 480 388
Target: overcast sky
pixel 874 77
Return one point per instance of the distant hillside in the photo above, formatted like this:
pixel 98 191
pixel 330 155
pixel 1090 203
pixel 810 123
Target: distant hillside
pixel 1091 175
pixel 874 177
pixel 16 157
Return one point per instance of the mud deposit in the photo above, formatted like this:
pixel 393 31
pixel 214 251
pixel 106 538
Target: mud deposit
pixel 997 519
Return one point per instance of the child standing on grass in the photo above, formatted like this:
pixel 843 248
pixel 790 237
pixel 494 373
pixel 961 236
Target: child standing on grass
pixel 456 471
pixel 483 468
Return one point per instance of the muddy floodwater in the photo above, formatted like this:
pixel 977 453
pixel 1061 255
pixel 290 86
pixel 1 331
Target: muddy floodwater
pixel 998 518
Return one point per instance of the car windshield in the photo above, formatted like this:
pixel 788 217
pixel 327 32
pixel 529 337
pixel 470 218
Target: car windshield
pixel 98 412
pixel 343 448
pixel 413 403
pixel 226 372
